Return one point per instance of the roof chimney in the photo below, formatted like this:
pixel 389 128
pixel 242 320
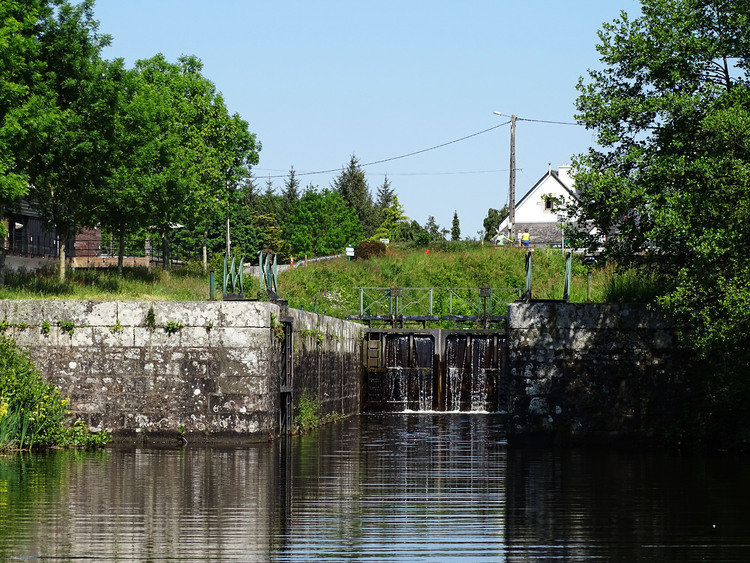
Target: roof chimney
pixel 563 174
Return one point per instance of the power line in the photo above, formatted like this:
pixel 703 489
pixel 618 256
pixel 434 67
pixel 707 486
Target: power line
pixel 436 146
pixel 464 172
pixel 545 121
pixel 332 170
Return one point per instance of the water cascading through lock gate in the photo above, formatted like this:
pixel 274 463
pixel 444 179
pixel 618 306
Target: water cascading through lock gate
pixel 471 373
pixel 413 376
pixel 409 373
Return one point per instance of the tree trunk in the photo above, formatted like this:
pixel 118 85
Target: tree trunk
pixel 229 251
pixel 120 251
pixel 62 258
pixel 3 252
pixel 166 259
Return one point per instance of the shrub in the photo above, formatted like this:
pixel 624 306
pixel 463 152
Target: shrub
pixel 369 248
pixel 306 413
pixel 31 410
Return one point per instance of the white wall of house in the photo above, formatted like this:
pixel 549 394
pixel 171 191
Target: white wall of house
pixel 533 208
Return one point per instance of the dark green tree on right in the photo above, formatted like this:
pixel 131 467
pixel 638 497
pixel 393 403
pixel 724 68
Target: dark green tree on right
pixel 668 187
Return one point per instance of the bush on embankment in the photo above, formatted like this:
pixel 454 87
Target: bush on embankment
pixel 32 412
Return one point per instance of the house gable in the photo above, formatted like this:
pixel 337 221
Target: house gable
pixel 535 207
pixel 536 211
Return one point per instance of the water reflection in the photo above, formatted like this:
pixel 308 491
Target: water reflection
pixel 396 487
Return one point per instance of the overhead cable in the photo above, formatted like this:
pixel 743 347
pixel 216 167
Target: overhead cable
pixel 332 170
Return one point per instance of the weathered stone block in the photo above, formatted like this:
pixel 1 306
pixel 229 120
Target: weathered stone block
pixel 132 313
pixel 248 313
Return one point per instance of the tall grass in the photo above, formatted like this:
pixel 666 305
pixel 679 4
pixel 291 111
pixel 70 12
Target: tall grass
pixel 636 285
pixel 189 284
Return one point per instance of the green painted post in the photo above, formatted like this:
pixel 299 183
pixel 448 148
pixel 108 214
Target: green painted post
pixel 528 275
pixel 568 268
pixel 211 288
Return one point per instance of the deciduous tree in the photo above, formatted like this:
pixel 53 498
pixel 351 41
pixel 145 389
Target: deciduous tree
pixel 323 223
pixel 66 165
pixel 669 184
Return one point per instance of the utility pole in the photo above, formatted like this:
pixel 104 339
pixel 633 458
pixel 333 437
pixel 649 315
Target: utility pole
pixel 228 242
pixel 512 188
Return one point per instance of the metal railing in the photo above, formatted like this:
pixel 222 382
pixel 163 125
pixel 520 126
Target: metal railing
pixel 483 305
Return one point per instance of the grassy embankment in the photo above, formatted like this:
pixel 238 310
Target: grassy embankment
pixel 330 285
pixel 136 284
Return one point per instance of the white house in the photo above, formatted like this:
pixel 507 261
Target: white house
pixel 536 211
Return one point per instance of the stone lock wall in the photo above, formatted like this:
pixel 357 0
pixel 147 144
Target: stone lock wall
pixel 591 370
pixel 327 361
pixel 217 374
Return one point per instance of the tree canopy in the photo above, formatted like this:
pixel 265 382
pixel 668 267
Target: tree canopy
pixel 668 185
pixel 152 152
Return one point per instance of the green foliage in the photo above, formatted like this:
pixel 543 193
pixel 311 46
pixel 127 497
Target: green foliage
pixel 45 327
pixel 172 327
pixel 79 435
pixel 150 320
pixel 135 284
pixel 117 327
pixel 351 184
pixel 32 411
pixel 68 327
pixel 306 415
pixel 331 286
pixel 433 229
pixel 671 109
pixel 455 227
pixel 634 285
pixel 20 64
pixel 492 221
pixel 316 334
pixel 68 160
pixel 392 218
pixel 277 328
pixel 322 224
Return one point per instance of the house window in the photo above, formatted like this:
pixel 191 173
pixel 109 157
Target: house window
pixel 549 205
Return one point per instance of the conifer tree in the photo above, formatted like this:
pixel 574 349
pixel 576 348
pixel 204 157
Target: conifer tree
pixel 455 229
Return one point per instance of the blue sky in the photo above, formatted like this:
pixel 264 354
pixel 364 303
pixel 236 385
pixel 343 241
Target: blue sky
pixel 321 81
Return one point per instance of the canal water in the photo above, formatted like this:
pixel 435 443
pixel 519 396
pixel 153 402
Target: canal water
pixel 379 487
